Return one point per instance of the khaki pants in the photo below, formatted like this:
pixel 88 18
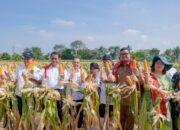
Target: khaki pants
pixel 126 117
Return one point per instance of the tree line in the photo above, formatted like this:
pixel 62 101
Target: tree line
pixel 79 49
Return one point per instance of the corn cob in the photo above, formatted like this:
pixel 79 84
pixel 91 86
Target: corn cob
pixel 31 65
pixel 1 71
pixel 61 69
pixel 101 72
pixel 9 68
pixel 145 63
pixel 107 66
pixel 134 63
pixel 129 80
pixel 90 78
pixel 82 77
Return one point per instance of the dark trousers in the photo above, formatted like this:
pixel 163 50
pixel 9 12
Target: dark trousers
pixel 80 121
pixel 19 104
pixel 102 109
pixel 59 104
pixel 175 112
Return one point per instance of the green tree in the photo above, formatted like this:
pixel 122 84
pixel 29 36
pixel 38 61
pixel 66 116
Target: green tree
pixel 5 56
pixel 176 53
pixel 38 54
pixel 141 54
pixel 101 51
pixel 16 57
pixel 153 52
pixel 77 45
pixel 87 54
pixel 46 56
pixel 114 51
pixel 168 54
pixel 59 48
pixel 67 54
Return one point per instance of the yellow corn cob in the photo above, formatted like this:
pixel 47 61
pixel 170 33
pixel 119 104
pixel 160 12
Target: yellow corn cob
pixel 101 72
pixel 1 71
pixel 9 68
pixel 90 78
pixel 61 69
pixel 107 66
pixel 81 71
pixel 82 77
pixel 129 80
pixel 145 65
pixel 73 72
pixel 31 65
pixel 134 64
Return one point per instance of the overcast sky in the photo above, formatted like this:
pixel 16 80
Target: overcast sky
pixel 43 23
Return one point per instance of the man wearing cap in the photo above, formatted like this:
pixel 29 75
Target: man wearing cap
pixel 74 75
pixel 28 58
pixel 51 75
pixel 122 69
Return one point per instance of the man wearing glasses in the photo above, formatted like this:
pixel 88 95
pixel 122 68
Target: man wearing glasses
pixel 122 69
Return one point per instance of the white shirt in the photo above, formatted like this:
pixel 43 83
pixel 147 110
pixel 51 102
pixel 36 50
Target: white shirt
pixel 171 72
pixel 96 79
pixel 20 80
pixel 77 80
pixel 103 90
pixel 53 77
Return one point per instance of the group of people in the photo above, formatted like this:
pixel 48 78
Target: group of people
pixel 50 75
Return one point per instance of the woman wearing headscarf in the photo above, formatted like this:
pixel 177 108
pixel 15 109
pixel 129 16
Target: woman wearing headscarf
pixel 155 110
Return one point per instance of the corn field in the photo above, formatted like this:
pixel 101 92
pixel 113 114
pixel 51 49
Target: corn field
pixel 39 110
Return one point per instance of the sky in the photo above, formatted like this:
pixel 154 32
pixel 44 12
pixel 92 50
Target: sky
pixel 142 24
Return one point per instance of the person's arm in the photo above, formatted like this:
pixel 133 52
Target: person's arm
pixel 37 76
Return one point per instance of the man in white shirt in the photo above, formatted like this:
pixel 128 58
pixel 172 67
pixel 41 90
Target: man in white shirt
pixel 51 75
pixel 74 75
pixel 28 57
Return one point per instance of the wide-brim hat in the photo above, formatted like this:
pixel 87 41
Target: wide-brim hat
pixel 163 59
